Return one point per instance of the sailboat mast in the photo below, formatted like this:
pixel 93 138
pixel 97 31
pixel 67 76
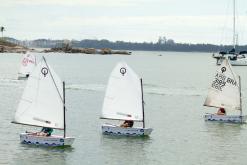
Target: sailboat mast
pixel 240 98
pixel 143 121
pixel 234 26
pixel 64 134
pixel 62 98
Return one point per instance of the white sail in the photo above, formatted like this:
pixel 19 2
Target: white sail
pixel 28 63
pixel 224 91
pixel 123 98
pixel 42 101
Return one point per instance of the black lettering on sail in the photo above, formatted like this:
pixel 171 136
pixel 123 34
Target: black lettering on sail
pixel 231 81
pixel 219 81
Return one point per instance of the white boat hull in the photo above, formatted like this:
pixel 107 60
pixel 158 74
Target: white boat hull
pixel 237 62
pixel 225 118
pixel 52 140
pixel 116 130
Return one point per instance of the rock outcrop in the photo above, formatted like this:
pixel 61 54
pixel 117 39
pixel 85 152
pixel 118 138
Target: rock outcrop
pixel 69 49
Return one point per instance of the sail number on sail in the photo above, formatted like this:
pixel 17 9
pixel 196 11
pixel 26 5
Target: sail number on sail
pixel 221 80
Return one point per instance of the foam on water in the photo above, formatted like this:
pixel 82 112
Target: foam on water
pixel 148 89
pixel 11 82
pixel 173 91
pixel 88 87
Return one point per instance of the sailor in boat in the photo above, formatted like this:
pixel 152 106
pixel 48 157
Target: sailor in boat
pixel 44 132
pixel 127 124
pixel 221 111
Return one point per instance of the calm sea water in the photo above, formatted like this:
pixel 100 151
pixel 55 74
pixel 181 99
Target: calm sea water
pixel 175 86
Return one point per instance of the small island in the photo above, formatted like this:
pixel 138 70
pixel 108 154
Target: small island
pixel 67 48
pixel 105 47
pixel 9 47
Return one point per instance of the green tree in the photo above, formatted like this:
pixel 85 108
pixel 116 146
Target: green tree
pixel 2 29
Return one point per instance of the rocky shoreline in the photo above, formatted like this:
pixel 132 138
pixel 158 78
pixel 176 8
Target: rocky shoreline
pixel 103 51
pixel 7 47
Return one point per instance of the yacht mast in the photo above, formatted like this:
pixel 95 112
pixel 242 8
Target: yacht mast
pixel 143 122
pixel 234 25
pixel 241 112
pixel 64 119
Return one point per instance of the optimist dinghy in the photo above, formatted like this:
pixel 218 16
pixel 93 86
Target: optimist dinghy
pixel 28 63
pixel 225 92
pixel 43 105
pixel 124 101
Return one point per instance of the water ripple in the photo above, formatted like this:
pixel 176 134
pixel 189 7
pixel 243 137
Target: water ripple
pixel 6 82
pixel 151 89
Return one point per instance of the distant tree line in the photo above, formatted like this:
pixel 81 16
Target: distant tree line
pixel 162 44
pixel 147 46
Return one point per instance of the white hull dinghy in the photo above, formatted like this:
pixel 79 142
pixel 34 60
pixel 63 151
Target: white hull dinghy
pixel 28 62
pixel 225 93
pixel 225 118
pixel 110 129
pixel 53 140
pixel 43 105
pixel 124 101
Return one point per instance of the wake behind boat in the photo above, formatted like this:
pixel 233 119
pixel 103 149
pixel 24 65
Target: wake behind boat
pixel 124 101
pixel 28 62
pixel 43 105
pixel 225 93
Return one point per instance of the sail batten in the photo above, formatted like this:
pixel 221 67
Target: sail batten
pixel 14 122
pixel 119 119
pixel 41 103
pixel 123 98
pixel 224 90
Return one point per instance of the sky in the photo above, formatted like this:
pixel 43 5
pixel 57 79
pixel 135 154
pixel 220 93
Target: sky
pixel 184 21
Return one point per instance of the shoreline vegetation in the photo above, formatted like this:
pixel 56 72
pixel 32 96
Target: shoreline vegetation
pixel 8 47
pixel 68 49
pixel 87 46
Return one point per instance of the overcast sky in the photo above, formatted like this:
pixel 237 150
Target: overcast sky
pixel 187 21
